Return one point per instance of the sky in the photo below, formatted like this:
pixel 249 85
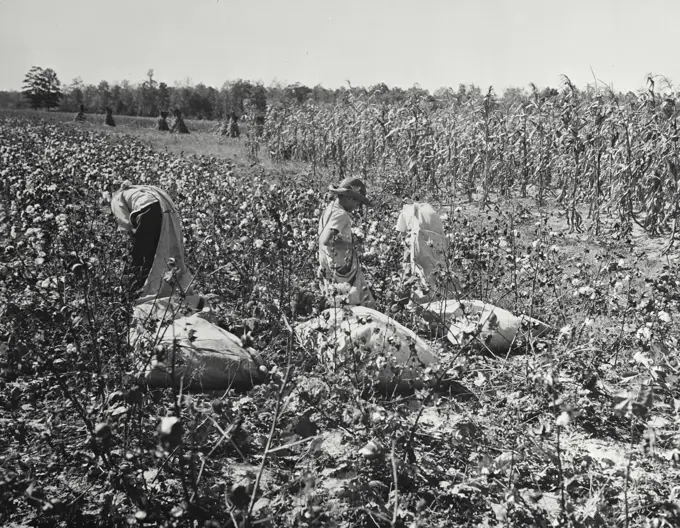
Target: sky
pixel 429 43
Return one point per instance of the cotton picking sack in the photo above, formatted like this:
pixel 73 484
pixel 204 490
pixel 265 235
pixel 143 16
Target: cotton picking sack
pixel 490 327
pixel 372 347
pixel 185 349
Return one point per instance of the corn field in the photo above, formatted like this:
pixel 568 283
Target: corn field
pixel 595 152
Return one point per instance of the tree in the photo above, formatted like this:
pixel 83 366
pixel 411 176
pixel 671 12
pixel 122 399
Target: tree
pixel 10 99
pixel 147 96
pixel 321 95
pixel 515 96
pixel 446 94
pixel 179 96
pixel 200 102
pixel 52 89
pixel 237 93
pixel 259 99
pixel 163 96
pixel 91 99
pixel 104 94
pixel 115 99
pixel 74 96
pixel 42 88
pixel 298 92
pixel 125 93
pixel 29 87
pixel 275 93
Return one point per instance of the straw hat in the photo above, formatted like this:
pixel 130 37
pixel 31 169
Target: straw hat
pixel 352 187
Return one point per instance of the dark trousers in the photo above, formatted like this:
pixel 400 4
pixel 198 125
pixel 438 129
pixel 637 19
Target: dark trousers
pixel 146 234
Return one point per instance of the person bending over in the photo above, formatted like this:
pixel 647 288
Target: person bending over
pixel 149 215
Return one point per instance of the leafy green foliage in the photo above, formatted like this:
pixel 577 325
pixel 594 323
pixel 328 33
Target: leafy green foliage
pixel 577 428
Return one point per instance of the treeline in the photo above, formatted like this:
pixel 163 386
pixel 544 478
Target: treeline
pixel 234 98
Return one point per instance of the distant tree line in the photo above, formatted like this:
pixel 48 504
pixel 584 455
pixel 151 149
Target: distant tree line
pixel 238 98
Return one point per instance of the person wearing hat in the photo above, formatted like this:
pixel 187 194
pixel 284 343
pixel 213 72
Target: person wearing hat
pixel 339 266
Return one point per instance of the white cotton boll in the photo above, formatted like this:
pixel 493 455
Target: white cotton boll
pixel 664 316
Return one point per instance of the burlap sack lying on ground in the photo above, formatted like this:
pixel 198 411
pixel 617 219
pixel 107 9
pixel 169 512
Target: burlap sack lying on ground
pixel 490 327
pixel 196 354
pixel 165 309
pixel 371 346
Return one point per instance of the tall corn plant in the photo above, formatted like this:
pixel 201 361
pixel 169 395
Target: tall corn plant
pixel 611 153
